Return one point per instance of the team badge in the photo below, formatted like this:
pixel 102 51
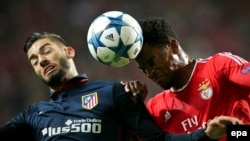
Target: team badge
pixel 90 101
pixel 205 90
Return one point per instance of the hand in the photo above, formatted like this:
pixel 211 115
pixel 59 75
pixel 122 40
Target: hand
pixel 137 88
pixel 216 128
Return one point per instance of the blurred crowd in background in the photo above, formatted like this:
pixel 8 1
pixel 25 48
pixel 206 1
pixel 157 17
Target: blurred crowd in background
pixel 204 27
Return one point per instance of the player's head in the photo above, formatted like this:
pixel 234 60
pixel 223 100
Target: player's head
pixel 50 57
pixel 156 30
pixel 161 54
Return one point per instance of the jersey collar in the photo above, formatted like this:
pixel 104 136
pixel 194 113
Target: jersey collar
pixel 71 83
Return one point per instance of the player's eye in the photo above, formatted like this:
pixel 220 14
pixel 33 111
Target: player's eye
pixel 47 51
pixel 33 61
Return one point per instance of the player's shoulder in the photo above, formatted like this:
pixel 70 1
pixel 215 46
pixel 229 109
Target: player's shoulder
pixel 223 59
pixel 39 106
pixel 107 85
pixel 227 56
pixel 102 82
pixel 232 57
pixel 97 83
pixel 31 111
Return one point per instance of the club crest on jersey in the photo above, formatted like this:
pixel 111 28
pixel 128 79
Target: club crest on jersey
pixel 205 90
pixel 89 101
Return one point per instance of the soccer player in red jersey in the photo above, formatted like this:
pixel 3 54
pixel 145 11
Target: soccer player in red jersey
pixel 195 90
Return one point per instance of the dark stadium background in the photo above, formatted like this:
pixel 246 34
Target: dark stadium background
pixel 204 28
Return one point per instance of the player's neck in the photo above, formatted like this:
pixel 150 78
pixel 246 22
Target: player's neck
pixel 183 76
pixel 58 86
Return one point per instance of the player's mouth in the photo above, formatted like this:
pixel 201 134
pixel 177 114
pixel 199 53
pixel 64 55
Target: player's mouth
pixel 49 69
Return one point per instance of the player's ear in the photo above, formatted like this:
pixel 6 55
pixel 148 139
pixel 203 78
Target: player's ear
pixel 174 45
pixel 70 52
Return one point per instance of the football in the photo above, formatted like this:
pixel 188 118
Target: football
pixel 114 38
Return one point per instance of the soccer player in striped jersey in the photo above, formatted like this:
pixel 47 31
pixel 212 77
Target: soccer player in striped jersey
pixel 195 90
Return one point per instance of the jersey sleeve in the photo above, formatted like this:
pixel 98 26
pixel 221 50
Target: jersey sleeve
pixel 135 115
pixel 234 68
pixel 16 129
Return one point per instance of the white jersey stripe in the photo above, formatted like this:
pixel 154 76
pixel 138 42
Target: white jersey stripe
pixel 240 58
pixel 236 58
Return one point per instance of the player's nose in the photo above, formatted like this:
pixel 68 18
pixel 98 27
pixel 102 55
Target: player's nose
pixel 43 61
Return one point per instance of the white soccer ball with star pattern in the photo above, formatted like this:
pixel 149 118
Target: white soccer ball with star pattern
pixel 114 38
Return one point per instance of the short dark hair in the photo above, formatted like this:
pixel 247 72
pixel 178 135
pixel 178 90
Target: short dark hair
pixel 156 30
pixel 40 35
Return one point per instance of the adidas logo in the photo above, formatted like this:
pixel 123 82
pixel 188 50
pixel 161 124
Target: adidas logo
pixel 167 116
pixel 110 37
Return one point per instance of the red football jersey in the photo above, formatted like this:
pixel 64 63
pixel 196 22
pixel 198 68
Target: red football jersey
pixel 219 85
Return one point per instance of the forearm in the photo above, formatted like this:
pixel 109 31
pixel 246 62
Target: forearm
pixel 198 135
